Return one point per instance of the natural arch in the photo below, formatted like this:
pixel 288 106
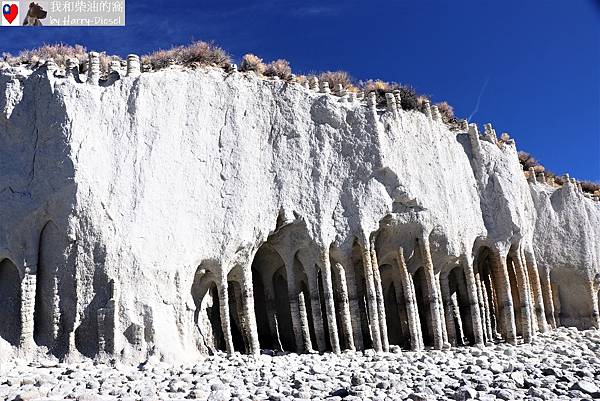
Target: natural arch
pixel 423 305
pixel 10 302
pixel 208 312
pixel 463 323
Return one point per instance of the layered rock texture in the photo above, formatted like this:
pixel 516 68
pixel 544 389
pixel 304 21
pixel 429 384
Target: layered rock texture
pixel 181 212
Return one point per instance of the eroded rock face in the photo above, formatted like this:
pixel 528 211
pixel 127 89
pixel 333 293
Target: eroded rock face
pixel 179 212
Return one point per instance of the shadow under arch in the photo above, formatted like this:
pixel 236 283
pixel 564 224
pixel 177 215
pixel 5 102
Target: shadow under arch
pixel 10 302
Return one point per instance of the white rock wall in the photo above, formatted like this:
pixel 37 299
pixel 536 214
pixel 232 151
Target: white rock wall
pixel 151 176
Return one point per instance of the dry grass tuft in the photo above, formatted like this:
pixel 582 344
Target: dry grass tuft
pixel 279 68
pixel 250 62
pixel 335 78
pixel 195 55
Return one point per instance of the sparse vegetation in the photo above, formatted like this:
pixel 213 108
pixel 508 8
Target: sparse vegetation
pixel 195 55
pixel 60 53
pixel 335 78
pixel 279 68
pixel 528 161
pixel 250 62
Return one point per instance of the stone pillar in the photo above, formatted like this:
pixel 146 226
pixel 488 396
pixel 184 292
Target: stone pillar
pixel 315 306
pixel 108 322
pixel 521 279
pixel 325 87
pixel 93 68
pixel 416 340
pixel 293 300
pixel 504 296
pixel 223 290
pixel 427 108
pixel 449 308
pixel 329 302
pixel 547 296
pixel 346 319
pixel 55 308
pixel 72 69
pixel 593 298
pixel 306 343
pixel 391 104
pixel 473 301
pixel 475 142
pixel 271 311
pixel 435 113
pixel 28 286
pixel 314 84
pixel 248 313
pixel 371 298
pixel 385 344
pixel 133 65
pixel 434 300
pixel 485 311
pixel 536 288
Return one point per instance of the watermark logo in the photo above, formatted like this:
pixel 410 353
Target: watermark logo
pixel 63 13
pixel 10 13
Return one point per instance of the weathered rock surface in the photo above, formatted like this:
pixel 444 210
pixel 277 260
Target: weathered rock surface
pixel 171 214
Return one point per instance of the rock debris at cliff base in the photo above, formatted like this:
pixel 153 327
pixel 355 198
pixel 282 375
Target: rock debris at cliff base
pixel 563 365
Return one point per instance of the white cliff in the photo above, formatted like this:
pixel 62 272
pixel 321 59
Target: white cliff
pixel 178 212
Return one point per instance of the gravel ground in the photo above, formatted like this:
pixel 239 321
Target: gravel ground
pixel 562 365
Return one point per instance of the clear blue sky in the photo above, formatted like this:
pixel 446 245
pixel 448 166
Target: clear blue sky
pixel 540 59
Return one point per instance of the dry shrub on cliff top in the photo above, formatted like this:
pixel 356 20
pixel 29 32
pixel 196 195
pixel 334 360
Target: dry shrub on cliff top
pixel 194 55
pixel 527 160
pixel 408 95
pixel 60 53
pixel 448 117
pixel 335 78
pixel 590 187
pixel 279 68
pixel 250 62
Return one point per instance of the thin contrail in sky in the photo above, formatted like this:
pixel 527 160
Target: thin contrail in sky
pixel 487 80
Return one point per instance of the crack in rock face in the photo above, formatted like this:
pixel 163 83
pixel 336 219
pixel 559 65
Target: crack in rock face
pixel 176 215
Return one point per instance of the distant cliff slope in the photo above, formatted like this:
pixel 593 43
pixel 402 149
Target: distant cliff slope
pixel 181 212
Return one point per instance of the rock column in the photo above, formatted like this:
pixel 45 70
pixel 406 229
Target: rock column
pixel 248 313
pixel 28 286
pixel 346 319
pixel 93 68
pixel 315 306
pixel 306 343
pixel 133 65
pixel 385 344
pixel 371 297
pixel 410 301
pixel 547 296
pixel 521 279
pixel 433 296
pixel 536 288
pixel 504 296
pixel 329 302
pixel 473 301
pixel 223 290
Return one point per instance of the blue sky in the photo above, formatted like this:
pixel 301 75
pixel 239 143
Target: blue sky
pixel 534 65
